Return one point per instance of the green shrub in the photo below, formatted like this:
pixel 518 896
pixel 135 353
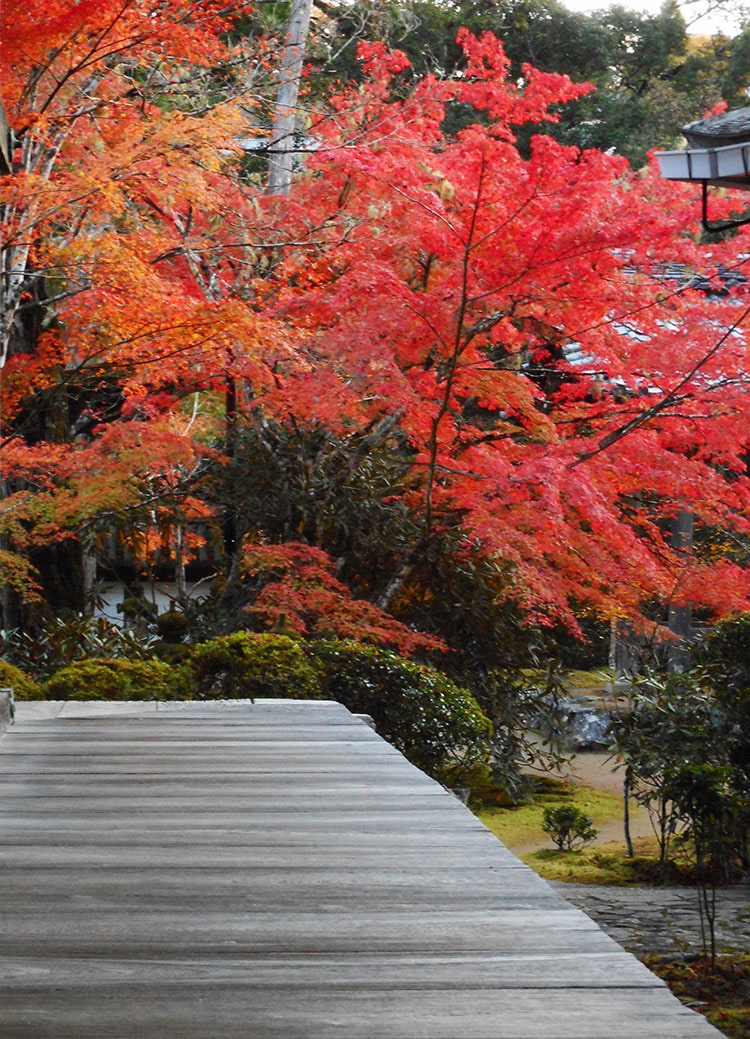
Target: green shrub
pixel 436 724
pixel 71 638
pixel 172 626
pixel 24 687
pixel 725 651
pixel 568 826
pixel 117 679
pixel 173 653
pixel 247 664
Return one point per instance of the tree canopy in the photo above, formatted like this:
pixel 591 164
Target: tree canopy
pixel 445 352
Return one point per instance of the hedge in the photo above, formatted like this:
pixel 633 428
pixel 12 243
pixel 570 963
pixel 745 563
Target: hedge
pixel 247 664
pixel 119 679
pixel 435 723
pixel 24 687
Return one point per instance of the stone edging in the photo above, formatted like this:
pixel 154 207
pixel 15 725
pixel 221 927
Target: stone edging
pixel 7 709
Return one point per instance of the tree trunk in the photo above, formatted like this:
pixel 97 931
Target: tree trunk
pixel 282 139
pixel 626 786
pixel 680 617
pixel 6 147
pixel 230 447
pixel 179 563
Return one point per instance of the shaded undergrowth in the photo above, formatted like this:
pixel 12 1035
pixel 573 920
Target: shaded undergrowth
pixel 721 992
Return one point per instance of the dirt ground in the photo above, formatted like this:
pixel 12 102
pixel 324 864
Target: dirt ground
pixel 594 769
pixel 590 768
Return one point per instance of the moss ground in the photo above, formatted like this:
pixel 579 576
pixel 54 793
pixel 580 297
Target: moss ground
pixel 608 864
pixel 520 827
pixel 720 991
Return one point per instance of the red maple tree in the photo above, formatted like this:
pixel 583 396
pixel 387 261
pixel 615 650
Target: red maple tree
pixel 561 394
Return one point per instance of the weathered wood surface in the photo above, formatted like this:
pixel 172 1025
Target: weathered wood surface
pixel 276 871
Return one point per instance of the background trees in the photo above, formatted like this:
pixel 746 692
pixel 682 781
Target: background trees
pixel 651 76
pixel 116 157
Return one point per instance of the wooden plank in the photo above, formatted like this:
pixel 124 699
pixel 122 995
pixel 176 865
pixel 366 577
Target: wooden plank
pixel 276 870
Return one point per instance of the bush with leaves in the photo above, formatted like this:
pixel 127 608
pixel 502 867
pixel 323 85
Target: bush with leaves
pixel 682 749
pixel 24 687
pixel 172 628
pixel 509 667
pixel 118 679
pixel 74 636
pixel 725 656
pixel 249 664
pixel 436 724
pixel 568 826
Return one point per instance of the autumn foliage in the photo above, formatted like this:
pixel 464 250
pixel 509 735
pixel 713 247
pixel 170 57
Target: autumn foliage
pixel 501 324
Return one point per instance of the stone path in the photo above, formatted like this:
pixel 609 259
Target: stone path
pixel 663 921
pixel 277 871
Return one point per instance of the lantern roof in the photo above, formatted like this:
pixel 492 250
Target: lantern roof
pixel 718 153
pixel 718 131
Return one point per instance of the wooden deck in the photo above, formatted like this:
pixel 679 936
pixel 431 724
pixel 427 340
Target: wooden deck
pixel 277 871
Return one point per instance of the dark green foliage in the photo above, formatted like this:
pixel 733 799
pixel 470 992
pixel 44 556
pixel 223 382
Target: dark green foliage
pixel 137 610
pixel 683 751
pixel 456 593
pixel 72 637
pixel 171 653
pixel 634 60
pixel 725 655
pixel 590 653
pixel 725 652
pixel 24 687
pixel 118 679
pixel 340 494
pixel 247 664
pixel 568 826
pixel 649 82
pixel 345 495
pixel 436 724
pixel 172 626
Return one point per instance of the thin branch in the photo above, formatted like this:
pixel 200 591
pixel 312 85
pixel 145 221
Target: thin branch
pixel 669 398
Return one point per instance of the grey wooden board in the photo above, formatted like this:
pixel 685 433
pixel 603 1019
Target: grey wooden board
pixel 208 1010
pixel 240 888
pixel 273 870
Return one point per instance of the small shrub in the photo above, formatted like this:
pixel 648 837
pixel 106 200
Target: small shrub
pixel 568 826
pixel 115 679
pixel 436 724
pixel 137 610
pixel 172 626
pixel 247 664
pixel 24 687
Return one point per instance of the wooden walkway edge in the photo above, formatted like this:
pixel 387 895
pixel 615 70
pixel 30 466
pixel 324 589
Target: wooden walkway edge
pixel 277 871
